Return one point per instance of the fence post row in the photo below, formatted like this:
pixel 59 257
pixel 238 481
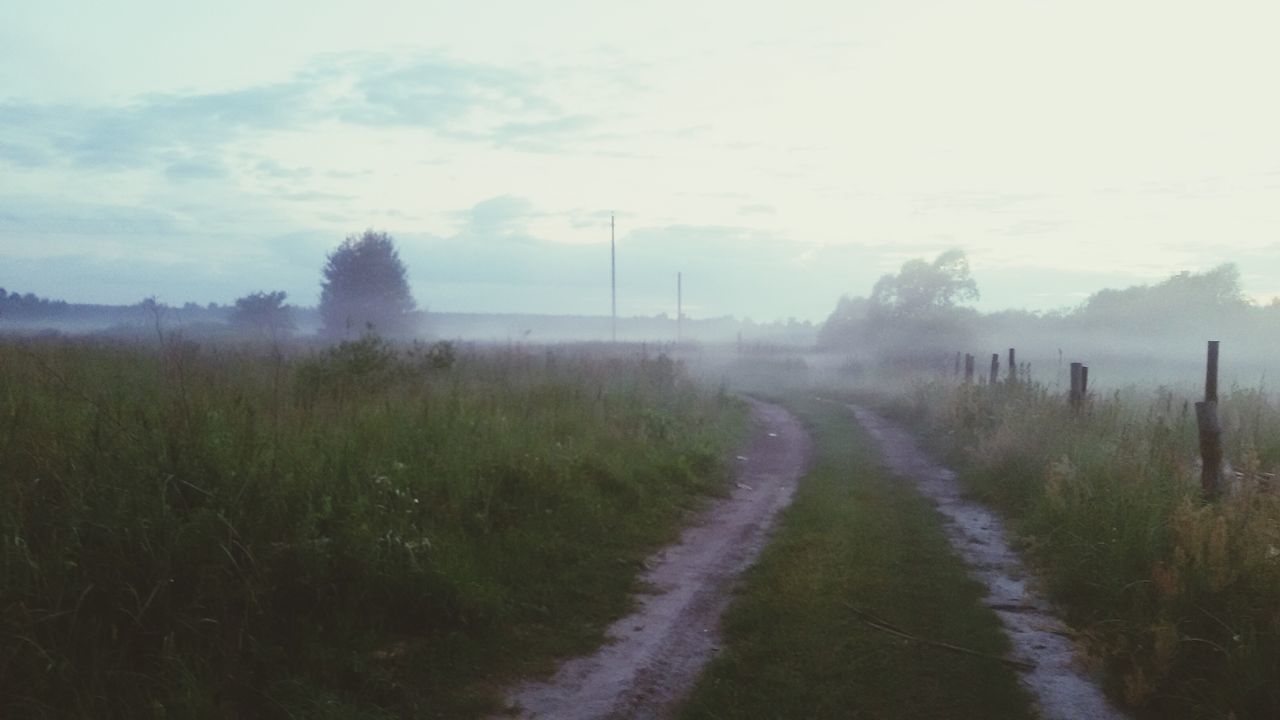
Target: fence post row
pixel 1207 421
pixel 1210 429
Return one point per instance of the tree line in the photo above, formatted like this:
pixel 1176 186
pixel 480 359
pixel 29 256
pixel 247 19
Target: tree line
pixel 921 311
pixel 364 289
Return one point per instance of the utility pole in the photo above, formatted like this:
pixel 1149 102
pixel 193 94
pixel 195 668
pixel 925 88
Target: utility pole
pixel 679 307
pixel 613 276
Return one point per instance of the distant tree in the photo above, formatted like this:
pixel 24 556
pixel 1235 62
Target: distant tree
pixel 264 312
pixel 910 318
pixel 923 288
pixel 1185 299
pixel 845 325
pixel 366 287
pixel 18 306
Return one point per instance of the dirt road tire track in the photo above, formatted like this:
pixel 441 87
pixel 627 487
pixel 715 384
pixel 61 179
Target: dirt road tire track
pixel 658 651
pixel 1062 689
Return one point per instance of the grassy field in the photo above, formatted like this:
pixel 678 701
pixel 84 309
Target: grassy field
pixel 856 537
pixel 357 532
pixel 1179 599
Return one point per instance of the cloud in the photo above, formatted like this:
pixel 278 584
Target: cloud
pixel 458 100
pixel 24 156
pixel 434 92
pixel 494 245
pixel 495 263
pixel 24 217
pixel 139 133
pixel 126 280
pixel 463 101
pixel 313 196
pixel 497 216
pixel 273 169
pixel 205 169
pixel 544 135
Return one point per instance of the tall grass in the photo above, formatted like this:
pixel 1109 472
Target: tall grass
pixel 362 531
pixel 1179 599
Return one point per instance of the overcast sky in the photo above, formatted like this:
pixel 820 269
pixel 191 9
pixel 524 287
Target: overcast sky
pixel 779 154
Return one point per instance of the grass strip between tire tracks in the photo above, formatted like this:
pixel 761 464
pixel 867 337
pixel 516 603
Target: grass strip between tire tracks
pixel 856 537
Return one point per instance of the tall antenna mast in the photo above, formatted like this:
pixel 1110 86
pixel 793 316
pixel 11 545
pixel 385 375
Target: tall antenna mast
pixel 679 307
pixel 613 276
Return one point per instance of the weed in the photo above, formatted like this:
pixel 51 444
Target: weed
pixel 365 530
pixel 1174 596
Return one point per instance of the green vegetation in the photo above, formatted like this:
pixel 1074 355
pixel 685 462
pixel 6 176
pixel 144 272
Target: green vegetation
pixel 264 313
pixel 1180 600
pixel 1147 334
pixel 856 537
pixel 910 316
pixel 365 287
pixel 361 531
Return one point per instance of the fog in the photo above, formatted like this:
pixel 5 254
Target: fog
pixel 914 323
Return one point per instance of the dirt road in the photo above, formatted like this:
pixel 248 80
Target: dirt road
pixel 1063 690
pixel 658 651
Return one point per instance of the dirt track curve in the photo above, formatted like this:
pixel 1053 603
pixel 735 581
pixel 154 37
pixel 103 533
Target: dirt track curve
pixel 658 651
pixel 1062 689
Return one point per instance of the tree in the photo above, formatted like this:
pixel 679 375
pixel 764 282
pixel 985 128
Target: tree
pixel 1184 300
pixel 921 288
pixel 365 287
pixel 264 312
pixel 846 324
pixel 915 316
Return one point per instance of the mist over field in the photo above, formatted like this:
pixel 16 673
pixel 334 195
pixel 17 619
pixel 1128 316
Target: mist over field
pixel 696 359
pixel 915 320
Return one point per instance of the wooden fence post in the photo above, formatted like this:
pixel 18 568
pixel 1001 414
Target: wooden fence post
pixel 968 368
pixel 1210 429
pixel 1211 373
pixel 1013 368
pixel 1074 397
pixel 1084 383
pixel 995 368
